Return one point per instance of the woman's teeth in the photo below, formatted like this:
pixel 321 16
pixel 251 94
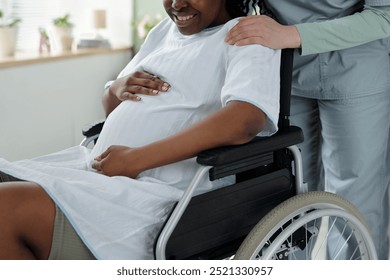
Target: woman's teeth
pixel 184 18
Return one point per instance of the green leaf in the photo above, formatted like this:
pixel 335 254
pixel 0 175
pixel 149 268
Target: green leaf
pixel 63 21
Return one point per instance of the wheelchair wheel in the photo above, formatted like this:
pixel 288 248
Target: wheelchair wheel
pixel 313 225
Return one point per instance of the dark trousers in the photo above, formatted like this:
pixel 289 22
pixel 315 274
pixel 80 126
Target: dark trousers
pixel 7 178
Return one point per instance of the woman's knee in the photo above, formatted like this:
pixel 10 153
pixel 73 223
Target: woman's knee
pixel 29 213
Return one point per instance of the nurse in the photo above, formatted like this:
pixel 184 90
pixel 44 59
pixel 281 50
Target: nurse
pixel 341 94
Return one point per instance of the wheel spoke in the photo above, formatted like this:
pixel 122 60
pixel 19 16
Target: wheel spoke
pixel 319 223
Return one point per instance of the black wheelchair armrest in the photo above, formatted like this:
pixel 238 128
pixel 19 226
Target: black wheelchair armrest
pixel 223 155
pixel 93 129
pixel 232 159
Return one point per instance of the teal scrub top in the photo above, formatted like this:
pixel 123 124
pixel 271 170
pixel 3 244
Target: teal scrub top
pixel 358 71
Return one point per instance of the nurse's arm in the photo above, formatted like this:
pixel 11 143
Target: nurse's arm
pixel 371 24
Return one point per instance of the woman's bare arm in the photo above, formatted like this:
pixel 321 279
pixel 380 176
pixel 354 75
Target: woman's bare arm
pixel 237 123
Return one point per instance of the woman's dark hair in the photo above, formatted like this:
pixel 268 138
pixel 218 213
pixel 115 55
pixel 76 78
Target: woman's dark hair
pixel 240 8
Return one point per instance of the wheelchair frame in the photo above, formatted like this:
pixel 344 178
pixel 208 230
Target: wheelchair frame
pixel 269 182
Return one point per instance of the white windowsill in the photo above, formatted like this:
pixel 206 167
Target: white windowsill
pixel 25 58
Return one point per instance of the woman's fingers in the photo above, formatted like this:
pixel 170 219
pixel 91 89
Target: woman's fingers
pixel 129 96
pixel 115 162
pixel 150 81
pixel 97 162
pixel 104 154
pixel 96 165
pixel 143 83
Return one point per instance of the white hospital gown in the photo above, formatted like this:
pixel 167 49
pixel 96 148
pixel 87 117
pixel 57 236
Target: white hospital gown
pixel 118 217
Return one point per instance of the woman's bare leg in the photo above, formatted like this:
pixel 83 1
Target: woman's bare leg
pixel 26 221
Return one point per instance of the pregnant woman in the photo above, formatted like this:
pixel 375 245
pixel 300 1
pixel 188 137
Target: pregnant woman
pixel 110 202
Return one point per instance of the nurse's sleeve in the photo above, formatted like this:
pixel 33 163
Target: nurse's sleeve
pixel 371 24
pixel 253 76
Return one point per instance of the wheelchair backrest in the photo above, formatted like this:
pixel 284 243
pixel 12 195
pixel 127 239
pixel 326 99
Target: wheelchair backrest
pixel 286 70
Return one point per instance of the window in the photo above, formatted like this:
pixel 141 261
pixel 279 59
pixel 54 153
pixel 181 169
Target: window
pixel 34 14
pixel 37 14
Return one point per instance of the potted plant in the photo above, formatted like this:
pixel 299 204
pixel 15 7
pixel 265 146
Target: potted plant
pixel 62 33
pixel 8 34
pixel 143 27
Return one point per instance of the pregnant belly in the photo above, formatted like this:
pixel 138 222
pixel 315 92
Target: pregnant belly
pixel 134 124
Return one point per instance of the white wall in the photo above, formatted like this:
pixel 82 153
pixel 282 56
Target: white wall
pixel 44 106
pixel 150 7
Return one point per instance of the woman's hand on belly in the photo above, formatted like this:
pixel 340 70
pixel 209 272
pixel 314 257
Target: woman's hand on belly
pixel 139 82
pixel 127 88
pixel 118 161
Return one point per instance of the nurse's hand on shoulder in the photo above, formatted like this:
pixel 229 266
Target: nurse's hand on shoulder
pixel 263 30
pixel 140 82
pixel 117 161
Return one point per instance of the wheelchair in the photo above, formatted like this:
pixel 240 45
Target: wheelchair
pixel 268 212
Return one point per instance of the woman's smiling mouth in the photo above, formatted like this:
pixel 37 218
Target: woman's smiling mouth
pixel 183 20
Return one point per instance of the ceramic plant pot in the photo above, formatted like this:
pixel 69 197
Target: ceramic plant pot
pixel 8 37
pixel 62 38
